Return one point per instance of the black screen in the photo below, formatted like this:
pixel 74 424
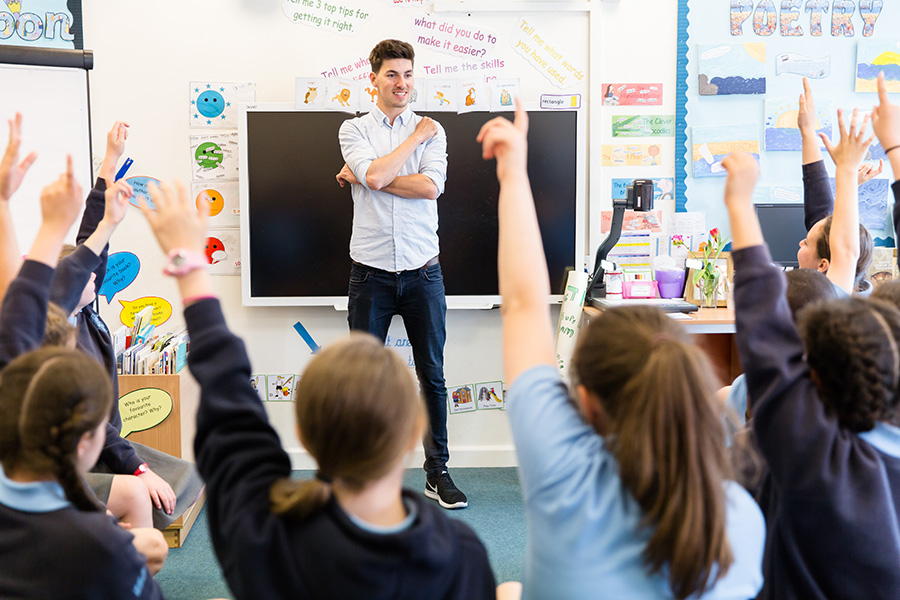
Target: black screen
pixel 300 219
pixel 783 228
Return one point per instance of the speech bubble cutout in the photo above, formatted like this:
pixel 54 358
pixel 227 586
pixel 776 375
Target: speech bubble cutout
pixel 121 271
pixel 162 310
pixel 140 185
pixel 144 409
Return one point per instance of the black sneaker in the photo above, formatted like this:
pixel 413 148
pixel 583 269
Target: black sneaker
pixel 442 489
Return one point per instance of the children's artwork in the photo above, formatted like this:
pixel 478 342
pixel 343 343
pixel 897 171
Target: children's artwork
pixel 122 269
pixel 663 189
pixel 632 94
pixel 258 383
pixel 873 203
pixel 874 57
pixel 441 95
pixel 473 94
pixel 630 155
pixel 461 398
pixel 728 69
pixel 214 104
pixel 773 194
pixel 643 125
pixel 214 156
pixel 634 221
pixel 342 94
pixel 789 63
pixel 490 395
pixel 280 387
pixel 325 16
pixel 503 94
pixel 781 130
pixel 310 93
pixel 223 200
pixel 223 251
pixel 712 144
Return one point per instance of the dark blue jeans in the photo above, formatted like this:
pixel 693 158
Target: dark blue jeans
pixel 418 297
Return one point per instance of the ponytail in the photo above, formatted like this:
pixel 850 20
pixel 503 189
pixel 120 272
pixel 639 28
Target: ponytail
pixel 657 390
pixel 299 499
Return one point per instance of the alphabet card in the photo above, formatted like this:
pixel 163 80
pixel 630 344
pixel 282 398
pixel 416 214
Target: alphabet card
pixel 214 104
pixel 503 94
pixel 280 387
pixel 461 398
pixel 490 395
pixel 258 383
pixel 214 156
pixel 441 95
pixel 475 96
pixel 342 94
pixel 310 93
pixel 223 200
pixel 223 251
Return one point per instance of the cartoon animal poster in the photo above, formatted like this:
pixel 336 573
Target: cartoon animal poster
pixel 223 251
pixel 280 387
pixel 342 94
pixel 490 395
pixel 874 57
pixel 214 104
pixel 310 93
pixel 223 200
pixel 781 130
pixel 214 156
pixel 473 96
pixel 441 95
pixel 712 144
pixel 461 398
pixel 368 96
pixel 727 69
pixel 504 93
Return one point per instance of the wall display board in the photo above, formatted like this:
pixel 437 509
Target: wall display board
pixel 740 70
pixel 41 24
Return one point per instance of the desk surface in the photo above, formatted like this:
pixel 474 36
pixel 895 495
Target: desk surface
pixel 705 320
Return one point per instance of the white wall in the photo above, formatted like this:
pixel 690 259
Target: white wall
pixel 145 55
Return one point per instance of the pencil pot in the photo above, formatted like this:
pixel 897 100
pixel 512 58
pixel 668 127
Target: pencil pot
pixel 671 283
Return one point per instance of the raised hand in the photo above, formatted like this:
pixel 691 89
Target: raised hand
pixel 852 146
pixel 743 171
pixel 868 171
pixel 115 147
pixel 507 141
pixel 117 196
pixel 176 223
pixel 61 200
pixel 806 117
pixel 12 172
pixel 886 118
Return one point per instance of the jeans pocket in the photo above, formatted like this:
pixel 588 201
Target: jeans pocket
pixel 433 273
pixel 358 274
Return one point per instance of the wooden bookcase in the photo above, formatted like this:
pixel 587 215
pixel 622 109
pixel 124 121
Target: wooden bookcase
pixel 174 436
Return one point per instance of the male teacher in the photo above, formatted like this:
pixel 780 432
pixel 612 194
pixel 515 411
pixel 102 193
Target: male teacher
pixel 396 163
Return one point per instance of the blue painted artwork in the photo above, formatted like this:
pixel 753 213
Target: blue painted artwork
pixel 873 204
pixel 874 57
pixel 712 144
pixel 730 69
pixel 781 131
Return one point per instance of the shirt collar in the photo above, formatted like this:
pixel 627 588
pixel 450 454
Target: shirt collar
pixel 884 438
pixel 32 496
pixel 383 118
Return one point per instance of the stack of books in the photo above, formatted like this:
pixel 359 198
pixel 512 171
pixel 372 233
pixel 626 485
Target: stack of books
pixel 141 350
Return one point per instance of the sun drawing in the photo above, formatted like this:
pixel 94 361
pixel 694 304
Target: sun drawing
pixel 756 50
pixel 887 58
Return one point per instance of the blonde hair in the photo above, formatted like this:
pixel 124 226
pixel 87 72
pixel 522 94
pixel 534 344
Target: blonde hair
pixel 358 408
pixel 58 331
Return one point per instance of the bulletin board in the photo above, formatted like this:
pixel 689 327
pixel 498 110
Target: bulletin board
pixel 740 69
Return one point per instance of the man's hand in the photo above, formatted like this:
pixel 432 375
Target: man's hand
pixel 161 493
pixel 426 129
pixel 11 174
pixel 345 175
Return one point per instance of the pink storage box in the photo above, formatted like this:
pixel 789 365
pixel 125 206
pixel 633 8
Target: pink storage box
pixel 639 289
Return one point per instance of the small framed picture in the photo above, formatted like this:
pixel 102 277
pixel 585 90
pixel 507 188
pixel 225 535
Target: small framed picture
pixel 725 268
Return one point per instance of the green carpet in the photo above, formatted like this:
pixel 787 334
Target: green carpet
pixel 495 513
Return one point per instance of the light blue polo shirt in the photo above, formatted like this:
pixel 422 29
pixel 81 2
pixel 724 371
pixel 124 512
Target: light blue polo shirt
pixel 584 534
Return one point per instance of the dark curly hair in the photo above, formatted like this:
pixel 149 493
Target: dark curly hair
pixel 851 347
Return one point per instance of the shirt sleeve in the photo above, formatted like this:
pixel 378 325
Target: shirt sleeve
pixel 358 153
pixel 818 200
pixel 23 316
pixel 434 159
pixel 94 209
pixel 72 274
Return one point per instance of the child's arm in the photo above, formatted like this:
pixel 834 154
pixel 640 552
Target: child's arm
pixel 886 123
pixel 844 239
pixel 818 201
pixel 24 311
pixel 11 174
pixel 522 267
pixel 238 453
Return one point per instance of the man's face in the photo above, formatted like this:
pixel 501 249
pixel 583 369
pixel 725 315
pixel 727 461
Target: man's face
pixel 394 83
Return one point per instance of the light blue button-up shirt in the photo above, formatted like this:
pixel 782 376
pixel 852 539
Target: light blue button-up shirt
pixel 390 232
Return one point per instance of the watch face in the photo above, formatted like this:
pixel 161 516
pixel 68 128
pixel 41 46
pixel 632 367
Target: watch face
pixel 178 260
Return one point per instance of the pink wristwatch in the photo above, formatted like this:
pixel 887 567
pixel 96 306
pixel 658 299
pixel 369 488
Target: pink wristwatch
pixel 181 262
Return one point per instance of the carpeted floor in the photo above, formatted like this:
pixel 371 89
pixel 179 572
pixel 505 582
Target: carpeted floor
pixel 495 513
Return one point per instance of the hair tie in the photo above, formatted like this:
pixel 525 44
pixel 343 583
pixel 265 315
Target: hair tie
pixel 323 478
pixel 659 338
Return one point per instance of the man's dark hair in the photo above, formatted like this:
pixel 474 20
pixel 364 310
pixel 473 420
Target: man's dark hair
pixel 390 49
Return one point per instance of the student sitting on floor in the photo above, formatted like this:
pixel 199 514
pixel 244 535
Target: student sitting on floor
pixel 629 498
pixel 353 531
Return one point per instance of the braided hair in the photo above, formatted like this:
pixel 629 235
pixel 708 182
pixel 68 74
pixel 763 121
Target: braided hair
pixel 852 349
pixel 49 399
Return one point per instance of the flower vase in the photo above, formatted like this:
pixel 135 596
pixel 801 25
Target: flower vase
pixel 709 287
